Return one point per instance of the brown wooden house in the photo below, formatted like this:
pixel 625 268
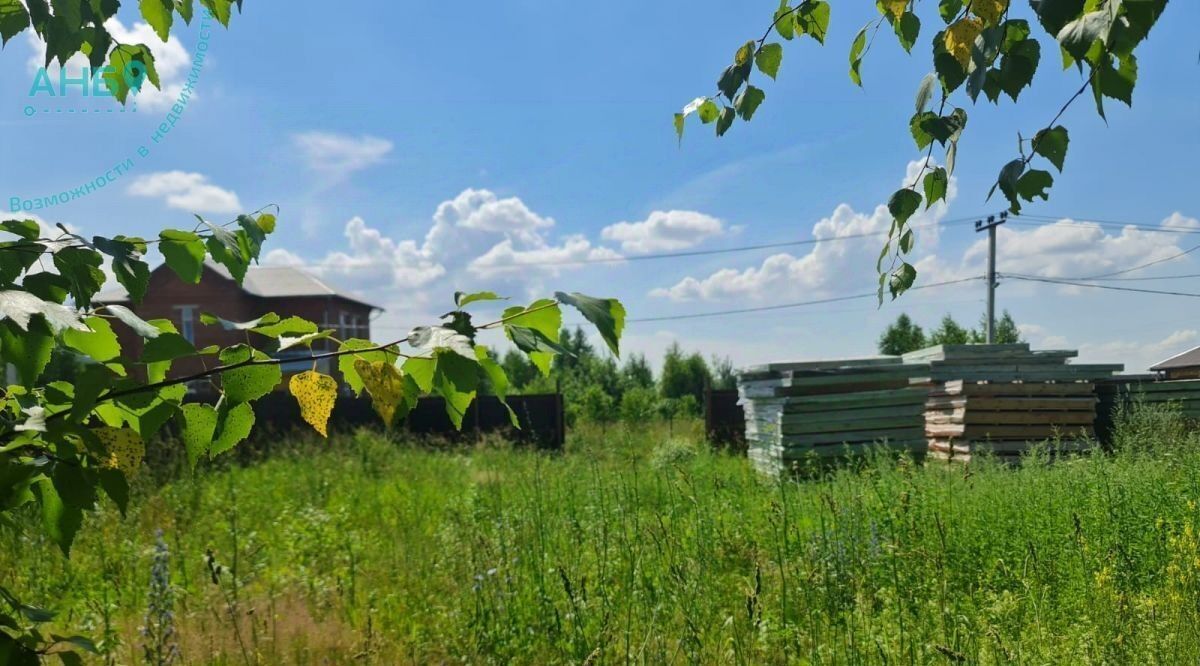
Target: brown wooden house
pixel 1180 366
pixel 286 291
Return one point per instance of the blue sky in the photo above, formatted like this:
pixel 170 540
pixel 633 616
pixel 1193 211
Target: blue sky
pixel 523 132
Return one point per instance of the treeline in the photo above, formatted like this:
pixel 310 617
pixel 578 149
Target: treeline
pixel 596 388
pixel 904 335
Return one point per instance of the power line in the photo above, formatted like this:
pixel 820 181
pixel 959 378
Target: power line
pixel 783 306
pixel 1145 279
pixel 1080 220
pixel 1032 278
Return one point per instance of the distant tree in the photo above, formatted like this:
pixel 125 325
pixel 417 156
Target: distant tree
pixel 639 404
pixel 595 405
pixel 520 370
pixel 950 332
pixel 1006 330
pixel 636 373
pixel 723 376
pixel 901 337
pixel 683 374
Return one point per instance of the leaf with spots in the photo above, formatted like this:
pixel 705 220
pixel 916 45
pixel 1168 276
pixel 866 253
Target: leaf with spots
pixel 199 425
pixel 234 423
pixel 248 382
pixel 316 394
pixel 387 388
pixel 123 447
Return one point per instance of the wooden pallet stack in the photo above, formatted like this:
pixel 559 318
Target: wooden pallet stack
pixel 798 413
pixel 1004 400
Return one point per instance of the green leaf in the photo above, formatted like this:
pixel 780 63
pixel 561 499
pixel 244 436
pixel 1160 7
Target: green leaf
pixel 543 315
pixel 13 19
pixel 935 183
pixel 116 486
pixel 916 126
pixel 925 91
pixel 292 326
pixel 346 363
pixel 99 342
pixel 907 28
pixel 421 371
pixel 248 382
pixel 732 79
pixel 234 423
pixel 462 300
pixel 166 347
pixel 159 14
pixel 139 325
pixel 199 425
pixel 905 243
pixel 709 111
pixel 497 379
pixel 1018 66
pixel 1052 145
pixel 812 19
pixel 785 21
pixel 60 520
pixel 130 270
pixel 131 66
pixel 1034 183
pixel 606 314
pixel 901 279
pixel 1078 36
pixel 856 53
pixel 536 345
pixel 25 229
pixel 184 254
pixel 679 121
pixel 186 8
pixel 903 204
pixel 949 9
pixel 768 59
pixel 27 350
pixel 748 101
pixel 726 120
pixel 235 260
pixel 221 9
pixel 81 268
pixel 456 380
pixel 1118 83
pixel 1007 182
pixel 90 382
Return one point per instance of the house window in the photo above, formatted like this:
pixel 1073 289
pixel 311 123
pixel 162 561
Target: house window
pixel 187 322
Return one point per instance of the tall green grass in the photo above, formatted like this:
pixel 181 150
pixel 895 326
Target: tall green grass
pixel 639 546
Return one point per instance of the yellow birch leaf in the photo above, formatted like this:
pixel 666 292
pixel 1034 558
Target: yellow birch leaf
pixel 316 394
pixel 124 448
pixel 384 384
pixel 960 39
pixel 989 10
pixel 894 7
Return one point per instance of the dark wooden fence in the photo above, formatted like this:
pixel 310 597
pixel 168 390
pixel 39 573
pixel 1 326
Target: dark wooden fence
pixel 541 418
pixel 724 420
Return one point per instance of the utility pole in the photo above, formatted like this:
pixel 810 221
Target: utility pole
pixel 991 225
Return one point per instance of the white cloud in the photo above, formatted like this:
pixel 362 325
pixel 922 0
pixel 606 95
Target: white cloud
pixel 191 192
pixel 1138 356
pixel 473 236
pixel 171 60
pixel 664 231
pixel 337 156
pixel 829 266
pixel 1066 249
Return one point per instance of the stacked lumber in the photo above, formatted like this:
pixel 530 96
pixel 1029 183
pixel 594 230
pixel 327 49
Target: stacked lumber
pixel 1005 420
pixel 1006 363
pixel 824 410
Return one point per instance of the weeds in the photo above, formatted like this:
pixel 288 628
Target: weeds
pixel 623 549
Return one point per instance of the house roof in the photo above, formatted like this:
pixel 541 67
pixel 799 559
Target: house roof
pixel 1188 359
pixel 260 281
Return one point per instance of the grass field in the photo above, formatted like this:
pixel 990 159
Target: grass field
pixel 636 546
